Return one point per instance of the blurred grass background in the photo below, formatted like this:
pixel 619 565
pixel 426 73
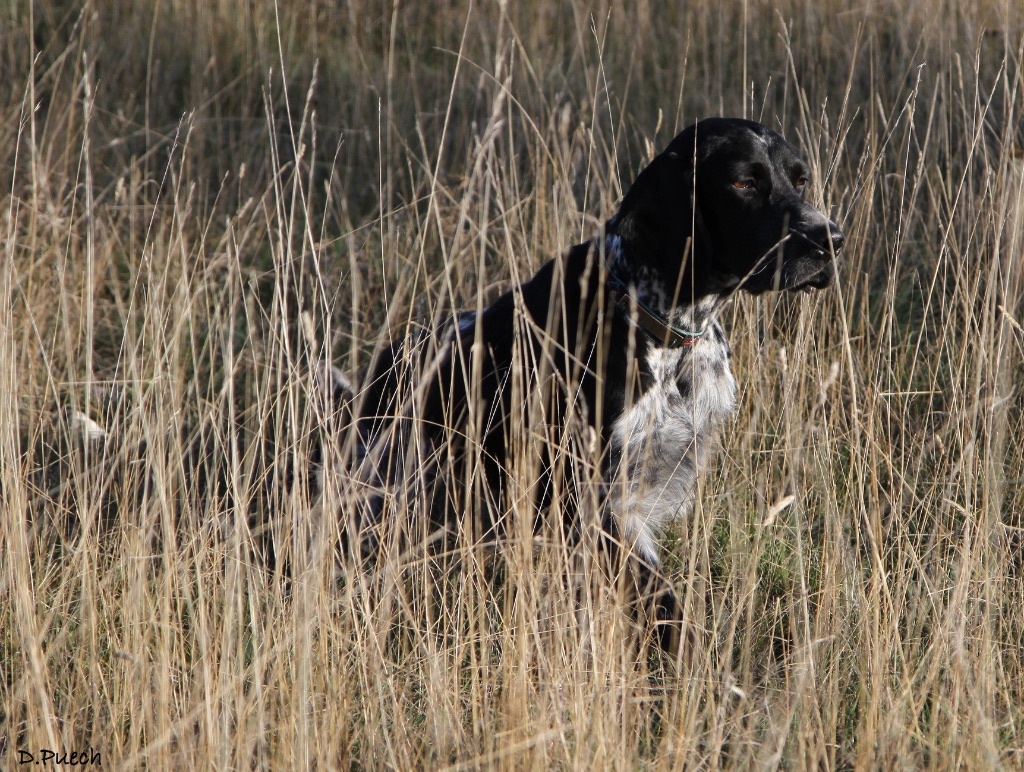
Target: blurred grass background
pixel 202 200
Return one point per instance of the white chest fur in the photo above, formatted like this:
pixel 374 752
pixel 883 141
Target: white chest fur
pixel 661 441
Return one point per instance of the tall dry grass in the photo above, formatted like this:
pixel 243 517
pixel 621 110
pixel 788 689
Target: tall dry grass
pixel 202 201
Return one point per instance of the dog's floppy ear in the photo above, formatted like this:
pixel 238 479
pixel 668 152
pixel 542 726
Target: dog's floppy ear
pixel 659 219
pixel 700 261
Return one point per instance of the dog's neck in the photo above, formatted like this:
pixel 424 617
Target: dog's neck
pixel 690 319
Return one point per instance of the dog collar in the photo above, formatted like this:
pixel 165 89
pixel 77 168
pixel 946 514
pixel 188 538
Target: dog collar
pixel 649 320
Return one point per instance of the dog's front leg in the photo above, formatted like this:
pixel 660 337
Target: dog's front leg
pixel 656 605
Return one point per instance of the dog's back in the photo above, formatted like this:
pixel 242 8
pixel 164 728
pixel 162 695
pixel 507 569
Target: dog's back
pixel 443 413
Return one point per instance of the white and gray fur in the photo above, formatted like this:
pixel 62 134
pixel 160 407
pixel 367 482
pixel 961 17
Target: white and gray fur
pixel 662 440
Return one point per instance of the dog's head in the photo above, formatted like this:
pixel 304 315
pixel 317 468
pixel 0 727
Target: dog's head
pixel 723 208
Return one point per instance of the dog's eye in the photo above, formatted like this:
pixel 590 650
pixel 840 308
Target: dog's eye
pixel 744 184
pixel 801 183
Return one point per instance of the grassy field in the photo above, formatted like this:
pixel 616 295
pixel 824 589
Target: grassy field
pixel 200 201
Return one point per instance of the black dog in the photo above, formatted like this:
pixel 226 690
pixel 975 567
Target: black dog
pixel 612 349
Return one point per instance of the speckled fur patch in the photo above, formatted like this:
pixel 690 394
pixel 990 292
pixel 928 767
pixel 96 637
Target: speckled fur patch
pixel 662 439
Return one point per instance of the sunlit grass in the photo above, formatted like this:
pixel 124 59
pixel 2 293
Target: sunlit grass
pixel 203 202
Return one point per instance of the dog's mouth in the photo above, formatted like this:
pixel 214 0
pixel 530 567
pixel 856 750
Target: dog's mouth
pixel 815 267
pixel 809 273
pixel 803 260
